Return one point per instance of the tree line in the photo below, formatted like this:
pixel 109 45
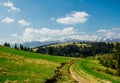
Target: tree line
pixel 111 60
pixel 75 50
pixel 18 47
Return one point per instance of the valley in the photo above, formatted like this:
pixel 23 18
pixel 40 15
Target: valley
pixel 19 66
pixel 59 41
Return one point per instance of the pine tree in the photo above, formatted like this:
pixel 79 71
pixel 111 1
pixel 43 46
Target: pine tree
pixel 7 44
pixel 21 47
pixel 15 46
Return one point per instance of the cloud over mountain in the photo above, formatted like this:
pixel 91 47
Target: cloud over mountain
pixel 46 34
pixel 113 32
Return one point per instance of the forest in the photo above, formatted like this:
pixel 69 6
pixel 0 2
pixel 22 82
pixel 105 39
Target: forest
pixel 78 49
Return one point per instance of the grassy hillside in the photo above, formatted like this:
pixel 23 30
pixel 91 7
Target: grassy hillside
pixel 25 67
pixel 57 59
pixel 68 43
pixel 20 66
pixel 93 72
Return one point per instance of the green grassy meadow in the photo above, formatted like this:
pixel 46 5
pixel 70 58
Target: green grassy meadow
pixel 18 66
pixel 25 67
pixel 93 72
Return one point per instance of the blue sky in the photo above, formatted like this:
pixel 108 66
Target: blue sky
pixel 46 20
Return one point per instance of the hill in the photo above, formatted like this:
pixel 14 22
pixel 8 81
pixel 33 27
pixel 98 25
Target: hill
pixel 68 43
pixel 20 66
pixel 26 67
pixel 76 49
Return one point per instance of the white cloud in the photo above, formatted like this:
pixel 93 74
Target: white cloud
pixel 113 32
pixel 46 34
pixel 11 6
pixel 80 37
pixel 115 29
pixel 74 18
pixel 13 35
pixel 8 20
pixel 110 34
pixel 24 23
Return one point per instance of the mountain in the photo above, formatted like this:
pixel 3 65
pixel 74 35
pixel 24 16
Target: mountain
pixel 38 43
pixel 71 40
pixel 104 39
pixel 92 39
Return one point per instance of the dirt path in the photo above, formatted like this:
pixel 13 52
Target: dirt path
pixel 90 79
pixel 76 77
pixel 58 74
pixel 72 77
pixel 62 75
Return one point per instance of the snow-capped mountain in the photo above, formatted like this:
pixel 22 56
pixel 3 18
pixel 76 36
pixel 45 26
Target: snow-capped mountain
pixel 104 39
pixel 92 39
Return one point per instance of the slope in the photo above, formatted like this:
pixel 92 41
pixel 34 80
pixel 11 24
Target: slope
pixel 20 66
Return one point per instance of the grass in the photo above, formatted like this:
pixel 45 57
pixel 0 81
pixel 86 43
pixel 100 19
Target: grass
pixel 66 76
pixel 14 67
pixel 20 66
pixel 92 71
pixel 24 67
pixel 57 59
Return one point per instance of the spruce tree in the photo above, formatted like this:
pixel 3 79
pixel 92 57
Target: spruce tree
pixel 15 46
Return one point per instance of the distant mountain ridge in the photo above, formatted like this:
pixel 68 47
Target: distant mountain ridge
pixel 93 39
pixel 38 43
pixel 104 39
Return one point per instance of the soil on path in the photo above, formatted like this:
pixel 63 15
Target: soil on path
pixel 76 77
pixel 58 74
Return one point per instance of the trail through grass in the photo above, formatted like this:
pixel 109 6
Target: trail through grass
pixel 63 74
pixel 91 71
